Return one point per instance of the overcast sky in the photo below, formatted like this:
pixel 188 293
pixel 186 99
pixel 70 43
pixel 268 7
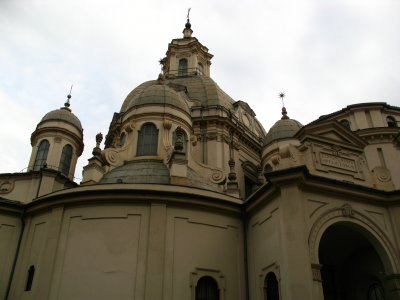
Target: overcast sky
pixel 324 55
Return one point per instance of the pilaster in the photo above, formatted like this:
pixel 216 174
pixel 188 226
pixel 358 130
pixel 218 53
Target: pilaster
pixel 296 272
pixel 156 252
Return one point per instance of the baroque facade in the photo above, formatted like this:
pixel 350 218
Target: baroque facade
pixel 190 198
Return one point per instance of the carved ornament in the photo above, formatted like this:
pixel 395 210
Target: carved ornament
pixel 217 176
pixel 347 211
pixel 382 174
pixel 6 186
pixel 112 157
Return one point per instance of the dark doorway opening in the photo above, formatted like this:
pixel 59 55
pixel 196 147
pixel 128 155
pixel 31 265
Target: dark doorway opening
pixel 351 267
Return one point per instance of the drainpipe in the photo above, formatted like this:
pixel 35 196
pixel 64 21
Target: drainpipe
pixel 16 254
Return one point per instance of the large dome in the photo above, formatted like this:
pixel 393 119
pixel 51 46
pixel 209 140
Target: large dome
pixel 201 89
pixel 158 94
pixel 63 114
pixel 282 129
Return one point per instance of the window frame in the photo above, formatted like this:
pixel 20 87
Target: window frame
pixel 66 159
pixel 200 68
pixel 268 289
pixel 207 279
pixel 217 275
pixel 41 155
pixel 147 142
pixel 183 67
pixel 391 122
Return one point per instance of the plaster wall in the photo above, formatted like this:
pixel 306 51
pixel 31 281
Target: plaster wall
pixel 129 251
pixel 264 251
pixel 23 190
pixel 391 160
pixel 10 226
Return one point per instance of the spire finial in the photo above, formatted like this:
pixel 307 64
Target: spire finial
pixel 67 104
pixel 187 32
pixel 284 111
pixel 282 95
pixel 188 19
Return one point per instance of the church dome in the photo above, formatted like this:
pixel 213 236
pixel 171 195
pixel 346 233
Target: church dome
pixel 157 94
pixel 282 129
pixel 63 114
pixel 200 89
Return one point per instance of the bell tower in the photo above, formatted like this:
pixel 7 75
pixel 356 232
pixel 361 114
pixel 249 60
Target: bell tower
pixel 186 56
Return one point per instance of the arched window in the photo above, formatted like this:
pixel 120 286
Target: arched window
pixel 207 289
pixel 200 69
pixel 183 67
pixel 271 288
pixel 345 123
pixel 41 155
pixel 65 160
pixel 29 279
pixel 147 140
pixel 122 139
pixel 391 122
pixel 375 292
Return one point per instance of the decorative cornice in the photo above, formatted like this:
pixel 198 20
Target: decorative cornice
pixel 301 176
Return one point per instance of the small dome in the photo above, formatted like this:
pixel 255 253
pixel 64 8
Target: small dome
pixel 63 114
pixel 159 94
pixel 139 171
pixel 282 129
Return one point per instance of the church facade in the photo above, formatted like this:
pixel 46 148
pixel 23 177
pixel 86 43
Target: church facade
pixel 188 197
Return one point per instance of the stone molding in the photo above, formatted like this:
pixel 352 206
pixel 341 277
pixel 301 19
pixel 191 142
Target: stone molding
pixel 348 214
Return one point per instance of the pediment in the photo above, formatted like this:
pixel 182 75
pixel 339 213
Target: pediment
pixel 334 150
pixel 332 133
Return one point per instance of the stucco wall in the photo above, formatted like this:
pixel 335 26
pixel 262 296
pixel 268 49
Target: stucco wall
pixel 129 251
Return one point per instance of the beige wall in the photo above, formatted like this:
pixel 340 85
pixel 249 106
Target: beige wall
pixel 284 231
pixel 135 251
pixel 10 227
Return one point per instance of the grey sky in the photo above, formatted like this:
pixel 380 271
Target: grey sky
pixel 324 55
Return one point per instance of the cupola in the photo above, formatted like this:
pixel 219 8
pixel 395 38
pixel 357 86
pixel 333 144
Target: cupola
pixel 186 56
pixel 285 128
pixel 57 142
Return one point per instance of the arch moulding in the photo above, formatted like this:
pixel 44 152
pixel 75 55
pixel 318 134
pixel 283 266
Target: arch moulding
pixel 347 214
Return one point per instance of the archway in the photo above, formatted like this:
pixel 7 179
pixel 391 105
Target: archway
pixel 351 266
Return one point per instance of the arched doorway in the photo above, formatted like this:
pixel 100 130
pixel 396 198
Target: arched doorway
pixel 351 267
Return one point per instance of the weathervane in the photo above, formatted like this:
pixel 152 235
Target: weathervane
pixel 188 15
pixel 66 104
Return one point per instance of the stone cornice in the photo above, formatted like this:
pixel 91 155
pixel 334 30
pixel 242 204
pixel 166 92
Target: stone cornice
pixel 312 183
pixel 45 130
pixel 11 206
pixel 379 134
pixel 138 194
